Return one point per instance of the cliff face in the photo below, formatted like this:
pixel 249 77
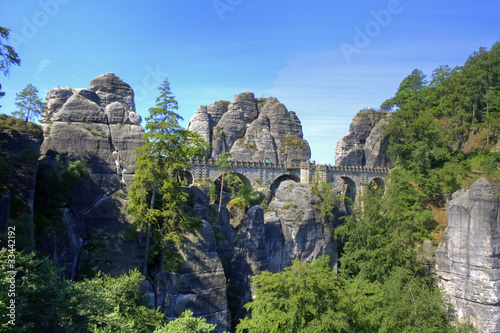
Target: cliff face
pixel 366 144
pixel 19 148
pixel 290 228
pixel 468 261
pixel 99 126
pixel 251 129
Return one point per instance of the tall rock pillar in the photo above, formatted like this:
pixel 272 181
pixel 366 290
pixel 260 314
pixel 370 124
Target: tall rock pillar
pixel 468 261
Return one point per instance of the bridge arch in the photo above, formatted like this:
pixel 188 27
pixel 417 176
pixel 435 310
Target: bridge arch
pixel 276 183
pixel 376 183
pixel 242 177
pixel 347 187
pixel 186 178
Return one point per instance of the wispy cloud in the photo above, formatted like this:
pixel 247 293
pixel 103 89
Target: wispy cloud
pixel 41 66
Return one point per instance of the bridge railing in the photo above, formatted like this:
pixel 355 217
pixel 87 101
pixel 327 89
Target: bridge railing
pixel 291 165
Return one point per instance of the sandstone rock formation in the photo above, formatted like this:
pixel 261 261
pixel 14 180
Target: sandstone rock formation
pixel 366 144
pixel 291 228
pixel 99 125
pixel 251 129
pixel 468 261
pixel 295 229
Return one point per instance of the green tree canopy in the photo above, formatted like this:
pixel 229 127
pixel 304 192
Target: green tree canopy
pixel 29 105
pixel 304 297
pixel 8 56
pixel 187 323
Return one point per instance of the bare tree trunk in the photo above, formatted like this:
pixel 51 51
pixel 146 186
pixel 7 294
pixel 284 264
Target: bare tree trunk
pixel 220 196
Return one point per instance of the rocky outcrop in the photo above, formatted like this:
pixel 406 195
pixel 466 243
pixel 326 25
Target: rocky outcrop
pixel 291 228
pixel 199 284
pixel 252 129
pixel 295 229
pixel 366 144
pixel 99 125
pixel 468 261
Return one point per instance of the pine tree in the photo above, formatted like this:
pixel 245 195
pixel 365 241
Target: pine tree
pixel 28 103
pixel 157 201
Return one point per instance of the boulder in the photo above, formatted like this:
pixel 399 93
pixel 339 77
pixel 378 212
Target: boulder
pixel 54 100
pixel 80 109
pixel 467 262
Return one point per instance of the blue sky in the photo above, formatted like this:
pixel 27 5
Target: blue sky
pixel 325 60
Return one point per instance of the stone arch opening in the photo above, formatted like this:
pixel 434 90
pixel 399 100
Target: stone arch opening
pixel 376 184
pixel 242 177
pixel 347 187
pixel 277 182
pixel 231 182
pixel 186 178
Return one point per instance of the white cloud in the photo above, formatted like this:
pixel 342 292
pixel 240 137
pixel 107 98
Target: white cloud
pixel 41 66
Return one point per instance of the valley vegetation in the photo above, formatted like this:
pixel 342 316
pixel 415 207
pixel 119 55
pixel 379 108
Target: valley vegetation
pixel 443 136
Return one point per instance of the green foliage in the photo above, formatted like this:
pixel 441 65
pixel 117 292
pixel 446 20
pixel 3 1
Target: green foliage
pixel 330 200
pixel 55 181
pixel 187 323
pixel 41 294
pixel 375 240
pixel 8 55
pixel 292 142
pixel 107 304
pixel 304 297
pixel 157 202
pixel 29 105
pixel 10 124
pixel 47 302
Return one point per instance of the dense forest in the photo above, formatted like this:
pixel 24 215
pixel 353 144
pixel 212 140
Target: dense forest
pixel 443 136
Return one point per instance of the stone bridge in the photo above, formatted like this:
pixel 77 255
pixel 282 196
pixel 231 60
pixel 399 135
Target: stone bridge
pixel 348 180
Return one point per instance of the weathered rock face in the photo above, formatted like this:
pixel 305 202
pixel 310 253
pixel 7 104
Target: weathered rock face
pixel 294 227
pixel 99 125
pixel 253 241
pixel 366 144
pixel 199 284
pixel 252 129
pixel 468 261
